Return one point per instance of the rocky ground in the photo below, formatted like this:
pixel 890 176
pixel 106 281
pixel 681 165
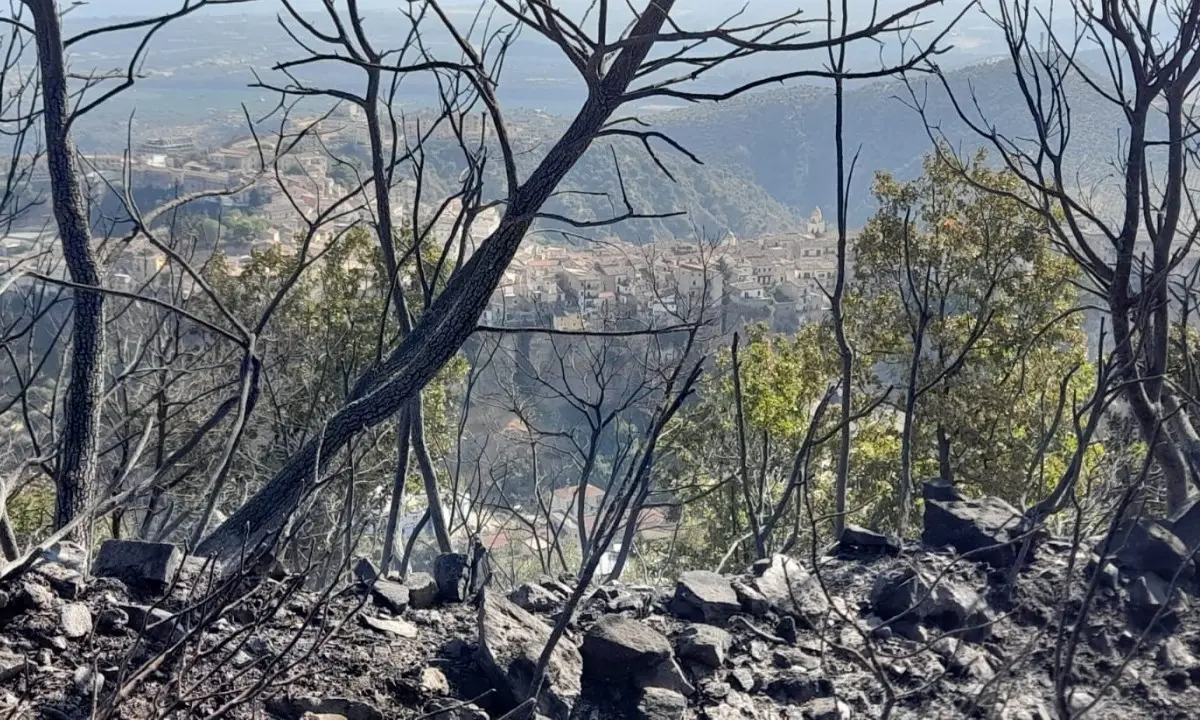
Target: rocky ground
pixel 868 628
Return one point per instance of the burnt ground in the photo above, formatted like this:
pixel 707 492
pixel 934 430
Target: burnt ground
pixel 283 652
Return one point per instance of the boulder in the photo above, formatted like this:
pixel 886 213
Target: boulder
pixel 964 659
pixel 906 595
pixel 510 643
pixel 1141 546
pixel 394 626
pixel 66 582
pixel 827 709
pixel 789 657
pixel 33 596
pixel 112 621
pixel 987 528
pixel 297 708
pixel 705 644
pixel 620 647
pixel 534 598
pixel 364 571
pixel 659 704
pixel 1153 599
pixel 742 679
pixel 75 620
pixel 14 665
pixel 704 596
pixel 452 573
pixel 799 687
pixel 153 623
pixel 666 675
pixel 1185 524
pixel 422 590
pixel 146 565
pixel 860 541
pixel 434 682
pixel 390 595
pixel 68 554
pixel 789 589
pixel 1174 655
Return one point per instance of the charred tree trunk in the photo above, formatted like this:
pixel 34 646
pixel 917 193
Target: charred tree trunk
pixel 399 483
pixel 448 322
pixel 75 472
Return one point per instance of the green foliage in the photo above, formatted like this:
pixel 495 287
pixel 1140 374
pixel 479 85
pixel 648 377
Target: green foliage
pixel 976 269
pixel 327 330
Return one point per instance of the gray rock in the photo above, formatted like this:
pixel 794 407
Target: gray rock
pixel 510 643
pixel 75 620
pixel 705 644
pixel 1151 597
pixel 395 626
pixel 787 657
pixel 660 704
pixel 297 708
pixel 904 594
pixel 988 529
pixel 799 687
pixel 452 572
pixel 434 682
pixel 137 563
pixel 364 571
pixel 742 679
pixel 666 675
pixel 112 621
pixel 856 540
pixel 704 596
pixel 620 647
pixel 1140 546
pixel 422 590
pixel 790 589
pixel 1174 655
pixel 534 598
pixel 390 595
pixel 70 555
pixel 963 659
pixel 153 623
pixel 87 682
pixel 33 596
pixel 827 709
pixel 66 582
pixel 13 665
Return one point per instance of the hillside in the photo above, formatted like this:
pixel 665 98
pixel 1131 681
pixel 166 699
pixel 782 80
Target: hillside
pixel 769 157
pixel 784 138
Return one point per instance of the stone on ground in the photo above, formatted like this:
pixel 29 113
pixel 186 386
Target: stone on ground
pixel 452 573
pixel 704 596
pixel 987 528
pixel 510 643
pixel 705 644
pixel 137 563
pixel 390 595
pixel 790 589
pixel 422 590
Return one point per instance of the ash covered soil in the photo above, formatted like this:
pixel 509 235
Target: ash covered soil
pixel 868 628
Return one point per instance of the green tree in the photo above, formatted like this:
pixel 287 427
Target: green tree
pixel 962 306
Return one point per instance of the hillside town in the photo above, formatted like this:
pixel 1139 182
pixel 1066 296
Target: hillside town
pixel 784 276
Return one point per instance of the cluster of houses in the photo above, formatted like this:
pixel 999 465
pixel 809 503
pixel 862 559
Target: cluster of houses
pixel 571 286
